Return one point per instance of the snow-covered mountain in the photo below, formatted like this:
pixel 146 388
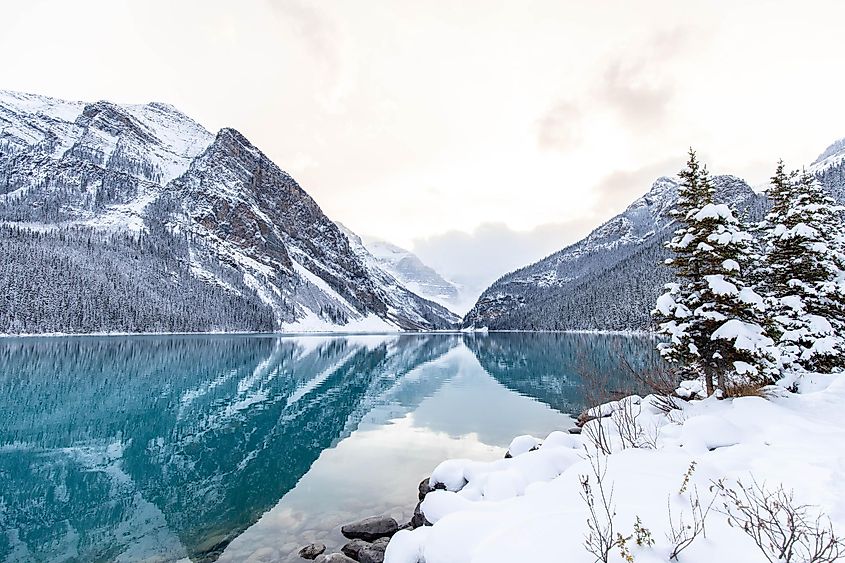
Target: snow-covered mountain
pixel 610 279
pixel 829 168
pixel 417 276
pixel 152 223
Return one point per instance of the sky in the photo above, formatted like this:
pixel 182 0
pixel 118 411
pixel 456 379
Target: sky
pixel 484 134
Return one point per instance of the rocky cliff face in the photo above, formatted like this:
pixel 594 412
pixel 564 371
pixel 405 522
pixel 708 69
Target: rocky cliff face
pixel 219 214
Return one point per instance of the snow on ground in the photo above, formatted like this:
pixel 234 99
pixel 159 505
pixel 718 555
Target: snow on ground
pixel 530 508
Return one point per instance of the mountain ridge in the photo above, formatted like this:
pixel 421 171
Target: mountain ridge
pixel 421 278
pixel 201 206
pixel 607 280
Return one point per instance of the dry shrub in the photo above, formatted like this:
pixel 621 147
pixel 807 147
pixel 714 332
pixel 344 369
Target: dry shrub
pixel 656 379
pixel 600 539
pixel 786 532
pixel 745 389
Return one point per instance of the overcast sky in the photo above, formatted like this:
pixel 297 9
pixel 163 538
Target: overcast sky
pixel 481 134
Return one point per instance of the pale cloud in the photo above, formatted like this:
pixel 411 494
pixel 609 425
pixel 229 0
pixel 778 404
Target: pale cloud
pixel 633 90
pixel 560 127
pixel 640 82
pixel 478 258
pixel 325 41
pixel 313 27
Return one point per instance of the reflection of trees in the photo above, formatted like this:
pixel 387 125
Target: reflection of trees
pixel 198 435
pixel 552 367
pixel 175 444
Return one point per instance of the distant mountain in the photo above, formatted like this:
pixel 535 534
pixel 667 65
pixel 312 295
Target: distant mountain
pixel 420 278
pixel 829 168
pixel 135 218
pixel 607 281
pixel 611 279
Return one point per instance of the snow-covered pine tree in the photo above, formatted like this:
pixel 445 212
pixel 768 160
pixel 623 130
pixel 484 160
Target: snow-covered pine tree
pixel 711 315
pixel 803 274
pixel 674 308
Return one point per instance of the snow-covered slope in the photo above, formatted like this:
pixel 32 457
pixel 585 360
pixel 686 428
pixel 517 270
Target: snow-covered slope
pixel 829 168
pixel 211 207
pixel 609 280
pixel 420 278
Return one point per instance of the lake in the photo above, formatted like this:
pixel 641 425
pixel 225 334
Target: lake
pixel 245 448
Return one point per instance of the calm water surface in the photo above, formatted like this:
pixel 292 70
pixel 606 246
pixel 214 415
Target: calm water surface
pixel 245 448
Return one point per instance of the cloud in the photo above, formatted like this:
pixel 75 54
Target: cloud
pixel 478 258
pixel 636 85
pixel 636 92
pixel 560 127
pixel 325 42
pixel 313 28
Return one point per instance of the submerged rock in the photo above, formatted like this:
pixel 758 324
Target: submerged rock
pixel 353 548
pixel 370 529
pixel 334 558
pixel 311 551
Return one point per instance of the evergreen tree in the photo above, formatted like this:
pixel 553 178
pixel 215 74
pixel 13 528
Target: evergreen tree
pixel 711 315
pixel 803 274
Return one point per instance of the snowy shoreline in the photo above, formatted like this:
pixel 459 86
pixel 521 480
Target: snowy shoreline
pixel 221 333
pixel 659 466
pixel 321 333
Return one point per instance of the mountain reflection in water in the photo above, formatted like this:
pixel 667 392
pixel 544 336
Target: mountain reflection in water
pixel 231 447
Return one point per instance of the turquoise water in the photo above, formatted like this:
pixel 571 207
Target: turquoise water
pixel 244 448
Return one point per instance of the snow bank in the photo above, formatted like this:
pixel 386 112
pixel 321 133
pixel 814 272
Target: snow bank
pixel 529 508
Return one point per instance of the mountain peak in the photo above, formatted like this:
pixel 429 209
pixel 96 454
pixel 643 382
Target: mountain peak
pixel 831 154
pixel 834 148
pixel 245 246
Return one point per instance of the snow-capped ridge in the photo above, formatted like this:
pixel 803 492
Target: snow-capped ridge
pixel 830 155
pixel 417 276
pixel 579 287
pixel 214 207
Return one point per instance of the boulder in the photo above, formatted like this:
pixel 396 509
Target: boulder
pixel 353 548
pixel 370 529
pixel 575 430
pixel 373 552
pixel 334 558
pixel 425 487
pixel 366 552
pixel 311 551
pixel 418 519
